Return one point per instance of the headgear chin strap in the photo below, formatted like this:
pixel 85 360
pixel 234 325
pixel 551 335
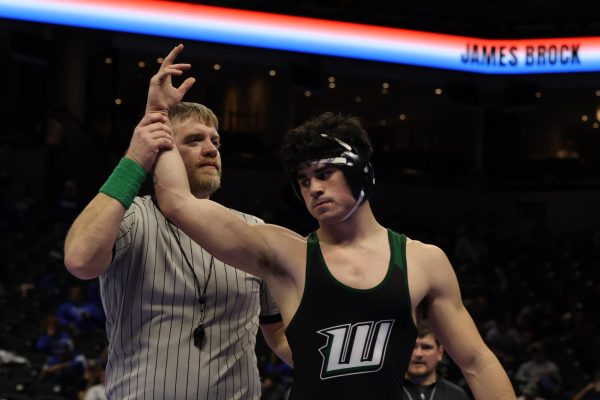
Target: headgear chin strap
pixel 359 201
pixel 359 174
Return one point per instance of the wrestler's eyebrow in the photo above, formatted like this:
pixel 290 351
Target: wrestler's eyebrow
pixel 323 168
pixel 302 175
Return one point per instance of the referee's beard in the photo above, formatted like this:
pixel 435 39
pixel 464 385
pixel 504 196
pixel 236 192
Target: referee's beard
pixel 204 183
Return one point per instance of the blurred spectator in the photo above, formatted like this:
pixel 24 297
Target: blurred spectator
pixel 529 392
pixel 277 379
pixel 421 379
pixel 94 378
pixel 65 368
pixel 504 340
pixel 78 314
pixel 578 328
pixel 526 325
pixel 591 391
pixel 540 372
pixel 50 342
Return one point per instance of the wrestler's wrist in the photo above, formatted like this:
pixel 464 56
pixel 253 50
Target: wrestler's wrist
pixel 125 182
pixel 151 110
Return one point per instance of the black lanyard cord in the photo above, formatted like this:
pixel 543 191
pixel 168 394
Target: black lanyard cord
pixel 422 394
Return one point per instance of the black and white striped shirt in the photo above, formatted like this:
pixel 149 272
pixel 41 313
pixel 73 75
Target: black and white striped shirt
pixel 151 304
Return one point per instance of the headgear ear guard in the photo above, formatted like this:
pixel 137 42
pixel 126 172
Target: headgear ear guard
pixel 358 172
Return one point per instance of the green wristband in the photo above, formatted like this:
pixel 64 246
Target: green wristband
pixel 125 182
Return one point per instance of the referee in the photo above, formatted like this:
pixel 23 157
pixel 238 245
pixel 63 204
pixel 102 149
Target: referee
pixel 180 323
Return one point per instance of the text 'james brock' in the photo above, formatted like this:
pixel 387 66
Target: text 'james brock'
pixel 510 56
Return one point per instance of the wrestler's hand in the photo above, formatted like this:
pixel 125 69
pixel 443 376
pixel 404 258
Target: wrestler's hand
pixel 152 135
pixel 162 95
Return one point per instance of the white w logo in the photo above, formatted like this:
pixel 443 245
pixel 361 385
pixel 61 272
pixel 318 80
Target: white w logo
pixel 355 349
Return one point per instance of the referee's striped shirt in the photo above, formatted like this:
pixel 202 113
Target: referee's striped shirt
pixel 152 309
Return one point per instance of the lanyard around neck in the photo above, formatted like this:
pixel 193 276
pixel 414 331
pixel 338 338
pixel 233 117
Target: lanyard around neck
pixel 422 394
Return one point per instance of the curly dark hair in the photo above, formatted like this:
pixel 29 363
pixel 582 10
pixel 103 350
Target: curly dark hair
pixel 305 142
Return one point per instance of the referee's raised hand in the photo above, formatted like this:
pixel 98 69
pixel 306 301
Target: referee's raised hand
pixel 162 95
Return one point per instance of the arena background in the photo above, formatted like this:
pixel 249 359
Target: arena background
pixel 501 171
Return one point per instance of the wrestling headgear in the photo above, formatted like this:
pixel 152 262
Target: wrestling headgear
pixel 358 172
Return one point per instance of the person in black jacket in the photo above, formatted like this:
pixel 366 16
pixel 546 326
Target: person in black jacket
pixel 421 379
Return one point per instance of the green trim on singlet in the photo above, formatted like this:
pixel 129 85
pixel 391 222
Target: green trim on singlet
pixel 398 249
pixel 399 244
pixel 309 248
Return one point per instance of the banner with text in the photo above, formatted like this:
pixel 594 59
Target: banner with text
pixel 186 21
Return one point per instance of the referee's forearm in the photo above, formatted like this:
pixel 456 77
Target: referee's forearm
pixel 90 240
